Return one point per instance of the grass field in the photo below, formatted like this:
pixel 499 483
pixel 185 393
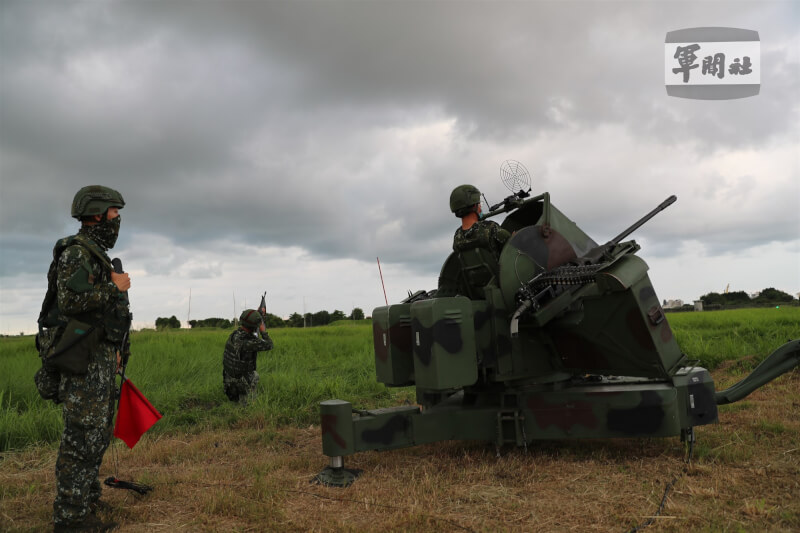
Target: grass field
pixel 180 372
pixel 218 466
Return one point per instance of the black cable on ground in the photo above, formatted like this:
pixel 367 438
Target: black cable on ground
pixel 668 488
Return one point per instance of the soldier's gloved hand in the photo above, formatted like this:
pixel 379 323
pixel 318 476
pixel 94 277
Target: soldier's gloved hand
pixel 122 281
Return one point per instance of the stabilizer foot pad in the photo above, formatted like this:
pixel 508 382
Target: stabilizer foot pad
pixel 336 477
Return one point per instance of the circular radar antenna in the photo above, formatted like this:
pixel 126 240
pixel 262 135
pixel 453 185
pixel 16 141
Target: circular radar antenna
pixel 515 176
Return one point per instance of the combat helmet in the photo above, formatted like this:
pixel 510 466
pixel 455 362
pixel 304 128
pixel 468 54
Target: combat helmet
pixel 463 198
pixel 250 319
pixel 95 200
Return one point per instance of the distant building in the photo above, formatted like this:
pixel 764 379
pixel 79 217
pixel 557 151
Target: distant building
pixel 754 295
pixel 698 305
pixel 672 304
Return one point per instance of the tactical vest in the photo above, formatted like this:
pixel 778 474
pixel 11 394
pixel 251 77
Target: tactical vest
pixel 480 239
pixel 237 363
pixel 115 320
pixel 473 263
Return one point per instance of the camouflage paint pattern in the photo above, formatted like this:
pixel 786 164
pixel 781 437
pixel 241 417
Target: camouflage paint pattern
pixel 485 234
pixel 468 273
pixel 443 343
pixel 594 359
pixel 546 217
pixel 85 289
pixel 621 329
pixel 239 376
pixel 85 292
pixel 88 411
pixel 610 408
pixel 391 335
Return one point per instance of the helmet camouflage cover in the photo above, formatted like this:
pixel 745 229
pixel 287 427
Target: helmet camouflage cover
pixel 463 197
pixel 250 319
pixel 95 200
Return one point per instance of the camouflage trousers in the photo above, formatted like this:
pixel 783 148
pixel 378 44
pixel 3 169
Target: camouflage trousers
pixel 88 412
pixel 238 388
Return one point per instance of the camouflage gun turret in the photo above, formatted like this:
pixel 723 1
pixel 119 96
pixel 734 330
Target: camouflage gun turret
pixel 549 284
pixel 558 338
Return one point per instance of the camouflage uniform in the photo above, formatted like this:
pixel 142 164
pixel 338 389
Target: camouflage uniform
pixel 86 292
pixel 239 376
pixel 483 233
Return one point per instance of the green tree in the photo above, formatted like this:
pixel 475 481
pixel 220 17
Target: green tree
pixel 357 314
pixel 712 298
pixel 770 295
pixel 736 297
pixel 167 323
pixel 320 318
pixel 273 321
pixel 337 315
pixel 223 323
pixel 295 320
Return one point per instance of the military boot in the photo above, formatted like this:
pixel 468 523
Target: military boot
pixel 100 506
pixel 90 523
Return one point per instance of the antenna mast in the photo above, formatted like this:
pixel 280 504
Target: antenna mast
pixel 382 285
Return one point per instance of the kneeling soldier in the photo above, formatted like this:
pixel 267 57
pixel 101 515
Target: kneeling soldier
pixel 239 376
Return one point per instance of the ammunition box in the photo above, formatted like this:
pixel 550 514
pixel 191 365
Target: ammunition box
pixel 443 343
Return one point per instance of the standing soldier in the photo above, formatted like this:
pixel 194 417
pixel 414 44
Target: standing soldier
pixel 84 322
pixel 239 376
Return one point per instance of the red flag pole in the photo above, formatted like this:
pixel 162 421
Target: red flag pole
pixel 382 285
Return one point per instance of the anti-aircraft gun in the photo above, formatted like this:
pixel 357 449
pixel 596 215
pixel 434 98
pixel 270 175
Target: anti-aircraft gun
pixel 558 338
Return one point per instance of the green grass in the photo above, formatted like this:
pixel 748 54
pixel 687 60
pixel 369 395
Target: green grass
pixel 180 372
pixel 749 335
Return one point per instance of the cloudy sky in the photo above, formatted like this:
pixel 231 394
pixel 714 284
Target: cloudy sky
pixel 284 146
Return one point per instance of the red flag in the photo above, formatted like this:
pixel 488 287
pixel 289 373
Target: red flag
pixel 135 415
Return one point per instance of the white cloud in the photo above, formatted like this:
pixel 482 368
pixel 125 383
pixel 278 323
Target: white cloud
pixel 283 146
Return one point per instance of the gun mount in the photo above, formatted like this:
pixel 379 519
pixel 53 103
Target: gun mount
pixel 559 338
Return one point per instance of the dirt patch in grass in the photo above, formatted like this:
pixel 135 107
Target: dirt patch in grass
pixel 745 476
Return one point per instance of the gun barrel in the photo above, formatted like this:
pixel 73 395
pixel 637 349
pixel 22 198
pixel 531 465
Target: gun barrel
pixel 666 203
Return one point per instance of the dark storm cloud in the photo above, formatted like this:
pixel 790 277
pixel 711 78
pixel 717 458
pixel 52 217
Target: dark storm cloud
pixel 341 127
pixel 500 66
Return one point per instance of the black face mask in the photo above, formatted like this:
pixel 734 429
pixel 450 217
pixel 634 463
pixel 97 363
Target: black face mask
pixel 105 233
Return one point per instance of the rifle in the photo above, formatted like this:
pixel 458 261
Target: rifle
pixel 262 308
pixel 124 345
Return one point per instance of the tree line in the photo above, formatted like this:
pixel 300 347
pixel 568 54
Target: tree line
pixel 712 300
pixel 769 296
pixel 295 320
